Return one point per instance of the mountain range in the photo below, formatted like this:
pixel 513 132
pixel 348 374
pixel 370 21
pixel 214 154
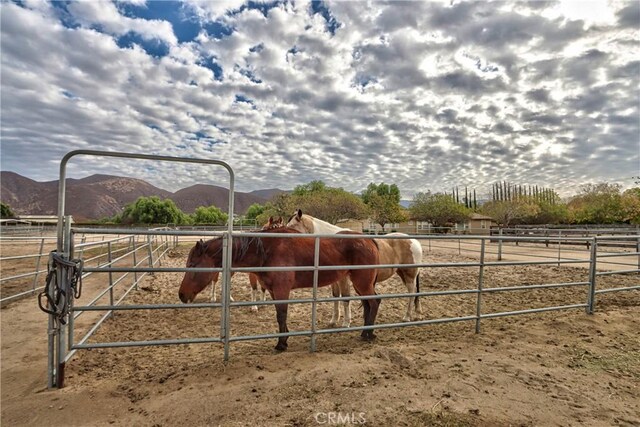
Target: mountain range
pixel 99 196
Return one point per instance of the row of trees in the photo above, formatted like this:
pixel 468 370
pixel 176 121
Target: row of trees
pixel 595 204
pixel 511 205
pixel 153 210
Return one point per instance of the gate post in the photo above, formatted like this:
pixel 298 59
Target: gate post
pixel 57 330
pixel 480 280
pixel 591 297
pixel 226 292
pixel 314 304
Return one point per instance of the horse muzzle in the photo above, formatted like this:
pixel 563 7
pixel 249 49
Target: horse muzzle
pixel 184 298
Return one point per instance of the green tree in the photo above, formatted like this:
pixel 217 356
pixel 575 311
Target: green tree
pixel 311 187
pixel 152 210
pixel 254 211
pixel 597 204
pixel 439 209
pixel 510 212
pixel 630 202
pixel 5 211
pixel 383 201
pixel 316 199
pixel 281 205
pixel 551 213
pixel 209 215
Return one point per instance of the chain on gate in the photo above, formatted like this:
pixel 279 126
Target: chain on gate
pixel 56 298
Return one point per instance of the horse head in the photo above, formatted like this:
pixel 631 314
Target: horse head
pixel 301 223
pixel 273 223
pixel 199 256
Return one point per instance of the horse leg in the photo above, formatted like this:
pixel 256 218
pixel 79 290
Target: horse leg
pixel 410 282
pixel 373 313
pixel 366 308
pixel 253 281
pixel 417 302
pixel 281 317
pixel 364 284
pixel 345 291
pixel 335 291
pixel 213 289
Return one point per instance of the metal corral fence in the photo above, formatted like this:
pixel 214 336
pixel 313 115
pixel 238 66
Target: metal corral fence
pixel 485 251
pixel 64 314
pixel 27 272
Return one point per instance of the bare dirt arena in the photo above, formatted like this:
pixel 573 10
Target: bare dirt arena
pixel 558 368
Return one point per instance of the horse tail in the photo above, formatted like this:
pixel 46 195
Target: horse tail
pixel 417 290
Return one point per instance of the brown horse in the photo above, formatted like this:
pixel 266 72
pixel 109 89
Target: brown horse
pixel 299 251
pixel 253 279
pixel 392 251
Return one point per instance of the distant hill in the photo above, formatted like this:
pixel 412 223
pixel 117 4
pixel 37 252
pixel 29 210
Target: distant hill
pixel 99 196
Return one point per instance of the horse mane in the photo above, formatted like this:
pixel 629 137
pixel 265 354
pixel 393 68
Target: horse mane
pixel 242 244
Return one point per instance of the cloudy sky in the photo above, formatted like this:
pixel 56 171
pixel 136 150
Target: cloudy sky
pixel 426 95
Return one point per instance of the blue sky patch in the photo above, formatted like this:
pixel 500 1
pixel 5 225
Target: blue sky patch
pixel 212 65
pixel 185 23
pixel 242 98
pixel 264 8
pixel 320 7
pixel 154 48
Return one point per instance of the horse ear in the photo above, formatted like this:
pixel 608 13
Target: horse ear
pixel 270 221
pixel 299 214
pixel 279 220
pixel 200 246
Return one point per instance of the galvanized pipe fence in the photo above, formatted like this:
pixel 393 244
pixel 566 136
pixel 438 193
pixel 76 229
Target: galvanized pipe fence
pixel 43 246
pixel 61 331
pixel 60 297
pixel 168 239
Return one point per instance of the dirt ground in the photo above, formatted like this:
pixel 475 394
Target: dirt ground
pixel 558 368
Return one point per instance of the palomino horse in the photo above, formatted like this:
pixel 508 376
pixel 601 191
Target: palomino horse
pixel 253 279
pixel 278 252
pixel 392 251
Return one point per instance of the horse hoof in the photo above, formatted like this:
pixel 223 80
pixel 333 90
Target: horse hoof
pixel 368 336
pixel 406 319
pixel 346 325
pixel 254 308
pixel 281 347
pixel 331 325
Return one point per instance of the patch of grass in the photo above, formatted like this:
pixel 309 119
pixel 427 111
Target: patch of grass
pixel 624 362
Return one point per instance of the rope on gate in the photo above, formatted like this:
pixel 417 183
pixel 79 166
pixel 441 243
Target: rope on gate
pixel 56 301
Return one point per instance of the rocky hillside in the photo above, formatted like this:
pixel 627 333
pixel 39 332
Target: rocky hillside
pixel 99 196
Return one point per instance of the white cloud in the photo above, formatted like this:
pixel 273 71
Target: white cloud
pixel 107 15
pixel 425 95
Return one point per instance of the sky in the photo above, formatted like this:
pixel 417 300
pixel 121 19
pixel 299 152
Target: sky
pixel 426 95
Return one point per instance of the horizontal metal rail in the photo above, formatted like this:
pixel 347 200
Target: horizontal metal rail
pixel 145 306
pixel 9 258
pixel 532 310
pixel 617 254
pixel 609 273
pixel 322 236
pixel 19 276
pixel 147 343
pixel 36 238
pixel 21 294
pixel 328 267
pixel 627 288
